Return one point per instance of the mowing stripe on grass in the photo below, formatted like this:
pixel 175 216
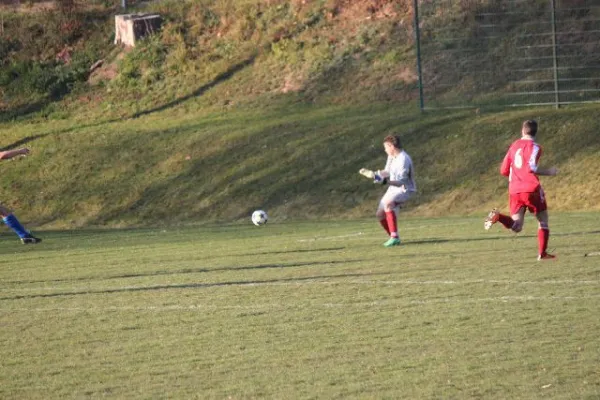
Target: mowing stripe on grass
pixel 318 282
pixel 279 306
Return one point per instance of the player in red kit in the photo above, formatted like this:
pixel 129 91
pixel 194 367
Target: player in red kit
pixel 525 192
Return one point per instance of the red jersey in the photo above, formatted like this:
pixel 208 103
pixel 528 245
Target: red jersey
pixel 520 165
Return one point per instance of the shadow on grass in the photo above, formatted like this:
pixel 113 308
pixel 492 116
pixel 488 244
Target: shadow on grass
pixel 22 142
pixel 291 251
pixel 202 89
pixel 187 271
pixel 465 240
pixel 38 106
pixel 22 111
pixel 268 282
pixel 505 237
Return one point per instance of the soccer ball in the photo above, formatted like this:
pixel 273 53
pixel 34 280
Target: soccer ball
pixel 259 217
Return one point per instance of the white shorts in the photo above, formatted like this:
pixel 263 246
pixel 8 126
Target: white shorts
pixel 399 197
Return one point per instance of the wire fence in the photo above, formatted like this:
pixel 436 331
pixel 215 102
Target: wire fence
pixel 478 53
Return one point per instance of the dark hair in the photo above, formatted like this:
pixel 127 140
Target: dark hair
pixel 394 140
pixel 530 127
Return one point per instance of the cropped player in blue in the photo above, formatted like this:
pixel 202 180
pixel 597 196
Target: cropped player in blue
pixel 7 216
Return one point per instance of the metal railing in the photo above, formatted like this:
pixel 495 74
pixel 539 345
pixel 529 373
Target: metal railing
pixel 486 53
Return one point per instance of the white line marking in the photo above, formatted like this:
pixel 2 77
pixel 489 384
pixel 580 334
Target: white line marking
pixel 331 237
pixel 484 281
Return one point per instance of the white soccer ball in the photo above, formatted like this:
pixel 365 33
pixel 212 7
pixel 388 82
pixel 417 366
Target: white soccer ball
pixel 259 217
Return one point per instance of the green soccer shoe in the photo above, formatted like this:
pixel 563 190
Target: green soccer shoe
pixel 392 242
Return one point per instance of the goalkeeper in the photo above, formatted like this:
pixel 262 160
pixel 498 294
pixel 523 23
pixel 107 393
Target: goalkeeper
pixel 399 174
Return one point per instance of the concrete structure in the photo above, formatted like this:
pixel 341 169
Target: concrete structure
pixel 130 28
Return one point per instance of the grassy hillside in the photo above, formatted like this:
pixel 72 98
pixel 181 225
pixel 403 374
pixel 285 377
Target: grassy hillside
pixel 241 105
pixel 184 166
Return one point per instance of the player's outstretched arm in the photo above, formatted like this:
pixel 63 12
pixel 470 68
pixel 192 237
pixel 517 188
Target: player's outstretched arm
pixel 553 171
pixel 5 155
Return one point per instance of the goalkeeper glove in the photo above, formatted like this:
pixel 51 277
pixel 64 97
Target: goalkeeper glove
pixel 373 175
pixel 367 172
pixel 379 179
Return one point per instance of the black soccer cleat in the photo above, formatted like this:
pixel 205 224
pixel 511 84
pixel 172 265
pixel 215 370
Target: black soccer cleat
pixel 29 239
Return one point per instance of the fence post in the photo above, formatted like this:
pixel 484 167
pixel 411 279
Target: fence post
pixel 554 55
pixel 418 48
pixel 124 4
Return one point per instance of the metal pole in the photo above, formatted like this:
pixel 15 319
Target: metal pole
pixel 418 48
pixel 124 4
pixel 554 55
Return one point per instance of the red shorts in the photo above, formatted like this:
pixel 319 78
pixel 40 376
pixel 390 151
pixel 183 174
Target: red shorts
pixel 535 202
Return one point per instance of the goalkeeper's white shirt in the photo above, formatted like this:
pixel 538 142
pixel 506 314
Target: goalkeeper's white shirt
pixel 401 170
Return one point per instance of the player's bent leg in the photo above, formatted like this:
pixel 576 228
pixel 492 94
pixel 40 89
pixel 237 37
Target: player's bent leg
pixel 391 203
pixel 491 219
pixel 390 216
pixel 13 223
pixel 517 224
pixel 30 239
pixel 518 220
pixel 495 216
pixel 380 215
pixel 384 225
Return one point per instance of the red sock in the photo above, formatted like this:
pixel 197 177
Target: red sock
pixel 384 223
pixel 506 221
pixel 390 216
pixel 543 236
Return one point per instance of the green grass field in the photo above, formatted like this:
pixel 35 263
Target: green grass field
pixel 303 310
pixel 238 105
